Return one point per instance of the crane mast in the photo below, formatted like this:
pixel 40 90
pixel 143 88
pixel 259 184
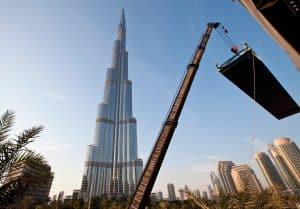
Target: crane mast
pixel 147 180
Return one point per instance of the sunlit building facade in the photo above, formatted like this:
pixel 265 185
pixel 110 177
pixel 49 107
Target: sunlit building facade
pixel 211 193
pixel 40 193
pixel 216 183
pixel 269 171
pixel 245 179
pixel 286 156
pixel 112 166
pixel 224 170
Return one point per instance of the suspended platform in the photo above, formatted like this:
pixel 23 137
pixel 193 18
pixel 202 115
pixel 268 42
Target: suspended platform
pixel 264 89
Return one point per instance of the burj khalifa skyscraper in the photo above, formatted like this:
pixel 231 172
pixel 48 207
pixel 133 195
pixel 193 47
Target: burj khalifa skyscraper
pixel 112 166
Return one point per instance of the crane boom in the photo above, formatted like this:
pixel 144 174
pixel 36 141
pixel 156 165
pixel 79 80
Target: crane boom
pixel 147 180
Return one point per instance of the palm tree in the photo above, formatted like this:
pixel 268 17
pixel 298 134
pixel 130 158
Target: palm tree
pixel 13 155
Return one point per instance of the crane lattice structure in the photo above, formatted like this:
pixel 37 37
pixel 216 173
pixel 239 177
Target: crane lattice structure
pixel 147 180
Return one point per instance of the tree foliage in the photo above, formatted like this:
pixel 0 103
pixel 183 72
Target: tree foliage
pixel 14 154
pixel 268 199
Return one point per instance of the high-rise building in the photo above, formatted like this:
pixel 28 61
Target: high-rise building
pixel 216 183
pixel 156 196
pixel 197 193
pixel 76 194
pixel 290 154
pixel 171 192
pixel 39 194
pixel 60 196
pixel 112 166
pixel 186 190
pixel 224 169
pixel 68 198
pixel 153 197
pixel 160 196
pixel 211 193
pixel 268 169
pixel 204 195
pixel 245 179
pixel 181 194
pixel 54 198
pixel 286 157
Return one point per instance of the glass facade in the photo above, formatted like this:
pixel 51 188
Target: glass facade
pixel 224 169
pixel 286 156
pixel 270 173
pixel 112 166
pixel 245 179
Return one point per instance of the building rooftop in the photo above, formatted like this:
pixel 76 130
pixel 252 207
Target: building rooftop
pixel 280 141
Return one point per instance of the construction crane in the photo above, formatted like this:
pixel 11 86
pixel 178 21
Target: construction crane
pixel 147 180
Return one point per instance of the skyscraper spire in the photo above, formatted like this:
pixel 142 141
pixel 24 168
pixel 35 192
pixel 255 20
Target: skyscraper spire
pixel 122 21
pixel 112 166
pixel 121 34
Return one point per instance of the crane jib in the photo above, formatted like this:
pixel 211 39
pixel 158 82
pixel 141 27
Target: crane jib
pixel 147 180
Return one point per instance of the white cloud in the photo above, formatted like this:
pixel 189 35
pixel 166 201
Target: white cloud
pixel 54 96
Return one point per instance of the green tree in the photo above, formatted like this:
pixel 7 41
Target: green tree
pixel 14 153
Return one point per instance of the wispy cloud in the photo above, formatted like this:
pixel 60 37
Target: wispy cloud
pixel 54 96
pixel 203 168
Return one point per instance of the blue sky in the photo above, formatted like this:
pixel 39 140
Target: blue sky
pixel 53 59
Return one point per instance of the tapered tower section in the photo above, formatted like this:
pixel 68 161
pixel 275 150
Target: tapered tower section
pixel 112 166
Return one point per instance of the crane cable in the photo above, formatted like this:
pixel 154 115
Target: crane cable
pixel 223 33
pixel 254 98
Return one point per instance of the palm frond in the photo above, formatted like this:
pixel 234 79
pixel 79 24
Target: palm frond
pixel 20 168
pixel 28 136
pixel 198 202
pixel 29 158
pixel 33 172
pixel 9 191
pixel 7 154
pixel 10 152
pixel 6 122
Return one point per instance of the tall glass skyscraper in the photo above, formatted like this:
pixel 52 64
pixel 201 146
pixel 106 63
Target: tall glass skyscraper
pixel 286 156
pixel 171 192
pixel 224 169
pixel 268 169
pixel 112 166
pixel 216 183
